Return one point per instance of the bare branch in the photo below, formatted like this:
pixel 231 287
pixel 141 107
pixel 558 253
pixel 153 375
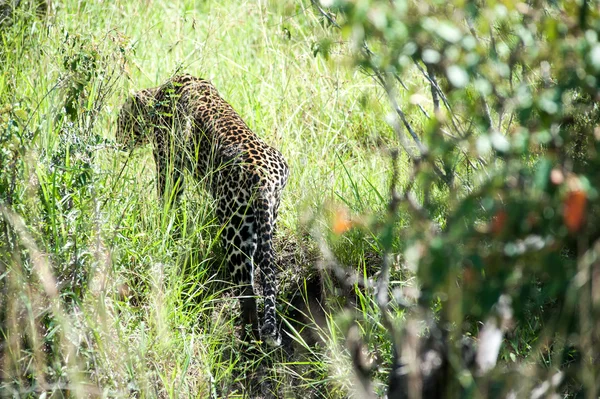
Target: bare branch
pixel 406 88
pixel 361 369
pixel 435 90
pixel 325 14
pixel 434 85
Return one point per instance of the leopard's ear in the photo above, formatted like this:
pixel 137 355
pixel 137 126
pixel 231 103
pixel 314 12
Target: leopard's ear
pixel 150 98
pixel 143 98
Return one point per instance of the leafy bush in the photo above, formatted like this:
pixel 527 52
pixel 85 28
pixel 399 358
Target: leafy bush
pixel 508 98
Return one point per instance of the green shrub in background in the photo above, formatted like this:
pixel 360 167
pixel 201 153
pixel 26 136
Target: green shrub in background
pixel 509 143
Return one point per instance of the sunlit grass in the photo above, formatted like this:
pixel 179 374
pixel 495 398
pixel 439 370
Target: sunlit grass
pixel 146 313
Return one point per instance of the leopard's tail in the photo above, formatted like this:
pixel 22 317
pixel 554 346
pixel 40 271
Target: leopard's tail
pixel 264 211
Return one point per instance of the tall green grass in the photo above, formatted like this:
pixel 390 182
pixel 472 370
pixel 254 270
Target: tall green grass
pixel 139 312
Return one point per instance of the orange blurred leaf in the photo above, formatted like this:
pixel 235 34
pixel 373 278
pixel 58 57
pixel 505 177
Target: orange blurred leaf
pixel 469 277
pixel 574 210
pixel 499 221
pixel 341 221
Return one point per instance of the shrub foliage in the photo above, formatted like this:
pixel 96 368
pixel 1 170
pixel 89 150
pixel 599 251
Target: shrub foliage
pixel 508 142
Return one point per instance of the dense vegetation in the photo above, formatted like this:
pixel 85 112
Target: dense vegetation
pixel 438 236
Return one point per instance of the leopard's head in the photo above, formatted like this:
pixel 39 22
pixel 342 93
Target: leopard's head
pixel 135 119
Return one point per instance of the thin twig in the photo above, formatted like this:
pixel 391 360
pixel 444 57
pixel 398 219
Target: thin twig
pixel 435 90
pixel 325 14
pixel 406 88
pixel 434 85
pixel 384 276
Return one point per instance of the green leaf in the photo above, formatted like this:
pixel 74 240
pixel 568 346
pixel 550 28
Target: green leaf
pixel 543 172
pixel 431 56
pixel 449 32
pixel 595 57
pixel 21 114
pixel 457 76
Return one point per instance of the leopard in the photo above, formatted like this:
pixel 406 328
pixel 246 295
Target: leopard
pixel 192 128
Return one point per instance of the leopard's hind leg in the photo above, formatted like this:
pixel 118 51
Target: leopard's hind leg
pixel 265 210
pixel 240 242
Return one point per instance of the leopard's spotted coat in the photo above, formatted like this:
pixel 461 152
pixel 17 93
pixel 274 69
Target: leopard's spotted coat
pixel 193 127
